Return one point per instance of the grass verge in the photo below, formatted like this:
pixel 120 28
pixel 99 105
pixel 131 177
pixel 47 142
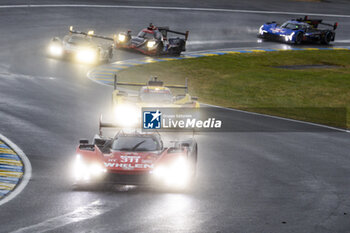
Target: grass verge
pixel 252 82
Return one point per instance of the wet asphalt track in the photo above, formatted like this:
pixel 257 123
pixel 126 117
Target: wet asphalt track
pixel 268 176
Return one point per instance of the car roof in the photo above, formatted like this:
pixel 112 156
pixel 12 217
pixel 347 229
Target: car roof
pixel 79 38
pixel 296 22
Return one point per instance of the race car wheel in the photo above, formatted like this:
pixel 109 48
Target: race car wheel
pixel 108 57
pixel 159 49
pixel 327 38
pixel 175 52
pixel 298 38
pixel 110 53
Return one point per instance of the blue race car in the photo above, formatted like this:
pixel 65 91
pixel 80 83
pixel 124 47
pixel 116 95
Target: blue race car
pixel 297 31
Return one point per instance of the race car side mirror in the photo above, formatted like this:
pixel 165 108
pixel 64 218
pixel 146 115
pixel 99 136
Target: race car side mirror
pixel 83 141
pixel 335 26
pixel 186 35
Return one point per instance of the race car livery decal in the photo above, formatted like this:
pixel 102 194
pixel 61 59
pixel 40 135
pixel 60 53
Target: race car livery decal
pixel 276 30
pixel 129 159
pixel 129 166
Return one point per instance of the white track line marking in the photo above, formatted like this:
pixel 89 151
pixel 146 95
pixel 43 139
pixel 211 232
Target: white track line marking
pixel 27 171
pixel 279 118
pixel 173 8
pixel 342 41
pixel 92 210
pixel 200 42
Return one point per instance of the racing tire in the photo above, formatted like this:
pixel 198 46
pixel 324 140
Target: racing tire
pixel 327 38
pixel 175 52
pixel 298 38
pixel 110 54
pixel 262 37
pixel 159 50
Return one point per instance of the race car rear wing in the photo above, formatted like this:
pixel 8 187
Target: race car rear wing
pixel 152 82
pixel 165 30
pixel 89 33
pixel 315 22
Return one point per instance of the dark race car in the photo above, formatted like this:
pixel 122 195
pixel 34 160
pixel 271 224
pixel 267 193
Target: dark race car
pixel 84 47
pixel 297 31
pixel 134 158
pixel 153 41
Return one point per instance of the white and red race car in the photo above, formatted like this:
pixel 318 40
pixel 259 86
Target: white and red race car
pixel 153 41
pixel 135 158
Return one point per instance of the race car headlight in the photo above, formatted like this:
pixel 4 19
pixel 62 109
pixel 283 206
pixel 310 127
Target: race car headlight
pixel 261 30
pixel 84 171
pixel 121 37
pixel 86 56
pixel 55 50
pixel 176 174
pixel 126 115
pixel 80 170
pixel 96 169
pixel 151 44
pixel 289 37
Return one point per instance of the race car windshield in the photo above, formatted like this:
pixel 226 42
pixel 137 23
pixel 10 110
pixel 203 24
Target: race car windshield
pixel 145 35
pixel 78 40
pixel 156 97
pixel 157 35
pixel 135 143
pixel 293 26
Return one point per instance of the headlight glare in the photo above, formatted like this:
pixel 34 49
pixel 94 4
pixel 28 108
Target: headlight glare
pixel 261 30
pixel 151 44
pixel 121 37
pixel 126 115
pixel 177 174
pixel 80 170
pixel 85 171
pixel 86 56
pixel 96 169
pixel 55 50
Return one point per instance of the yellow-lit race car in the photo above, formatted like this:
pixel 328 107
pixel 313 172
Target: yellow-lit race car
pixel 151 94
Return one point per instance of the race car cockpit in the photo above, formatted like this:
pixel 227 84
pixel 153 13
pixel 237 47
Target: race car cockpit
pixel 135 143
